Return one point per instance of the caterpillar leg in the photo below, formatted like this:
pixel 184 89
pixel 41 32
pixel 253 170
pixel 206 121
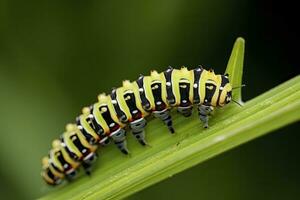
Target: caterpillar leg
pixel 138 130
pixel 119 138
pixel 71 174
pixel 165 116
pixel 88 162
pixel 105 141
pixel 185 111
pixel 203 112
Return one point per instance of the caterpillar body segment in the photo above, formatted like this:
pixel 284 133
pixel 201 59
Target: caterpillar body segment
pixel 61 164
pixel 182 87
pixel 86 126
pixel 58 164
pixel 76 143
pixel 128 99
pixel 78 148
pixel 156 93
pixel 107 118
pixel 127 107
pixel 47 173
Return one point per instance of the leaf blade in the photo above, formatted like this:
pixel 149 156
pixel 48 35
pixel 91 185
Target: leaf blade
pixel 196 148
pixel 119 176
pixel 235 67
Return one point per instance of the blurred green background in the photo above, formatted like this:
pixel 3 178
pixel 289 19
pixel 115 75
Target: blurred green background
pixel 56 56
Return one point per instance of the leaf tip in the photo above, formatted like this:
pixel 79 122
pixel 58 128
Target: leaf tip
pixel 240 40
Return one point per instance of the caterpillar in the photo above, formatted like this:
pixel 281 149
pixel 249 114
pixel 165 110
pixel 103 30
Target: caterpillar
pixel 127 107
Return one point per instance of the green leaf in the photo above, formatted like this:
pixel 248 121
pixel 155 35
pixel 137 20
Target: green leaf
pixel 116 176
pixel 235 68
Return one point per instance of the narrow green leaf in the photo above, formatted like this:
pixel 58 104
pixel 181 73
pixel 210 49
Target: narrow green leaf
pixel 235 68
pixel 116 176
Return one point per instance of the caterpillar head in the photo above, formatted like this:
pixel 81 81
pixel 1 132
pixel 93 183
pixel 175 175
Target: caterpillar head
pixel 225 90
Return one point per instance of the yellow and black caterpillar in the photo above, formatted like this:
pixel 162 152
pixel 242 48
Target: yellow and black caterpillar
pixel 128 106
